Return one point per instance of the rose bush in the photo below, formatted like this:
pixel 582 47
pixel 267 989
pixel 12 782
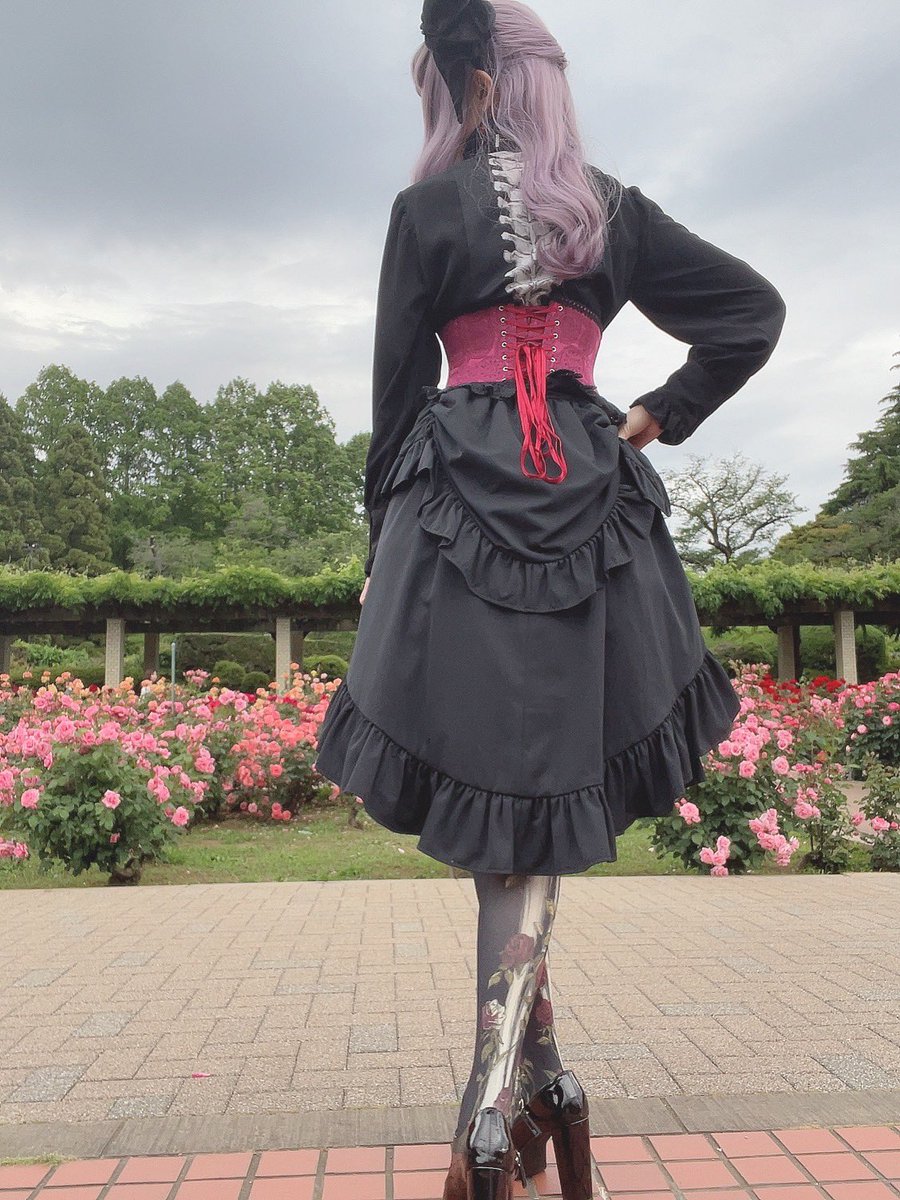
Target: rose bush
pixel 109 778
pixel 777 774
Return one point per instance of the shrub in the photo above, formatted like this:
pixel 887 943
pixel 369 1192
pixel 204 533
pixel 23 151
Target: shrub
pixel 817 656
pixel 254 651
pixel 773 776
pixel 750 645
pixel 83 784
pixel 254 680
pixel 229 674
pixel 328 664
pixel 881 808
pixel 871 713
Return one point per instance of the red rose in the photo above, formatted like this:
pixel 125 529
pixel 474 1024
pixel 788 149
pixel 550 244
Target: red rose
pixel 517 951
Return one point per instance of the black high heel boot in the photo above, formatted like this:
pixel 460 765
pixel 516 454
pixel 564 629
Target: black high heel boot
pixel 492 1158
pixel 560 1111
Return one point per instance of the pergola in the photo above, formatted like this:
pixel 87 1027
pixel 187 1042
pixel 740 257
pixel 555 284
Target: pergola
pixel 287 626
pixel 288 623
pixel 794 614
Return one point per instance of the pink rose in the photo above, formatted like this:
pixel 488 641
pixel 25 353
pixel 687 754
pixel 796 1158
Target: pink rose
pixel 518 950
pixel 747 769
pixel 780 765
pixel 30 798
pixel 111 799
pixel 180 816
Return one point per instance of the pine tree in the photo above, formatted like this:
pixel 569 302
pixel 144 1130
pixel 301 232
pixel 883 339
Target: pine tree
pixel 74 505
pixel 21 536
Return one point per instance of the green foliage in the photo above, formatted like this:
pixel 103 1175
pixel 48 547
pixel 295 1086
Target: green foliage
pixel 21 533
pixel 254 651
pixel 254 680
pixel 329 664
pixel 873 733
pixel 71 824
pixel 749 644
pixel 727 804
pixel 860 522
pixel 73 505
pixel 765 587
pixel 334 641
pixel 729 509
pixel 817 654
pixel 23 591
pixel 882 802
pixel 230 674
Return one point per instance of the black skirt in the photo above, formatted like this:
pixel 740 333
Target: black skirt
pixel 529 675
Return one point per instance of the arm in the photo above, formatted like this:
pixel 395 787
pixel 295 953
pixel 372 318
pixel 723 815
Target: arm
pixel 728 313
pixel 407 358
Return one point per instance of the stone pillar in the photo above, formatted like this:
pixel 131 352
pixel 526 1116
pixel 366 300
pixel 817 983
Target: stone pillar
pixel 788 651
pixel 151 653
pixel 115 652
pixel 845 644
pixel 283 658
pixel 297 639
pixel 6 642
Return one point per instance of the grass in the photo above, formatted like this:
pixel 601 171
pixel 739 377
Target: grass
pixel 321 845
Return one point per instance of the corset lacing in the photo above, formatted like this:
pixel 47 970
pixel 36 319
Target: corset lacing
pixel 527 330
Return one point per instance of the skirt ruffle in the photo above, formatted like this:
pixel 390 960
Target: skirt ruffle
pixel 527 584
pixel 468 827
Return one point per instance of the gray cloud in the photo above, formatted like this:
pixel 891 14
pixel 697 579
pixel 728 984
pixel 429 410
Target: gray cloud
pixel 198 189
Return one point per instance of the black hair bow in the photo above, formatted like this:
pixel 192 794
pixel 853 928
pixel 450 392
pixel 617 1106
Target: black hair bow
pixel 458 34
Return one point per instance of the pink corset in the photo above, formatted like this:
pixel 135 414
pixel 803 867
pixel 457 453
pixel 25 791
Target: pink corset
pixel 524 343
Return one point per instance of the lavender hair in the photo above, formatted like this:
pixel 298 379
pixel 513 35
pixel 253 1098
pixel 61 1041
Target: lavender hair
pixel 532 109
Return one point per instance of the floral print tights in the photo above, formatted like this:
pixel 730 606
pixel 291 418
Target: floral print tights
pixel 515 1048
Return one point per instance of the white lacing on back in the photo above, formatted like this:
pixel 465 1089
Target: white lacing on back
pixel 528 281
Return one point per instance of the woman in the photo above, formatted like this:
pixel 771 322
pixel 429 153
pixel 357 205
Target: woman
pixel 529 675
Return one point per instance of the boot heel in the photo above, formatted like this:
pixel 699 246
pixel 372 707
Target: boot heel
pixel 572 1144
pixel 492 1157
pixel 533 1155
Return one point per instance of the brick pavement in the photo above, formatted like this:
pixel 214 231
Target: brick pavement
pixel 196 1017
pixel 791 1164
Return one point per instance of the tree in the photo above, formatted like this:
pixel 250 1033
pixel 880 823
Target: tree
pixel 74 505
pixel 876 468
pixel 56 398
pixel 281 445
pixel 860 522
pixel 21 535
pixel 731 509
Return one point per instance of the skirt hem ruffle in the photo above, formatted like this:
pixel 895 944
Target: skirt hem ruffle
pixel 495 832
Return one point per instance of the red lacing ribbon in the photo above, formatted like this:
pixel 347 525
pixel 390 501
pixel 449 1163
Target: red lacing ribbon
pixel 527 330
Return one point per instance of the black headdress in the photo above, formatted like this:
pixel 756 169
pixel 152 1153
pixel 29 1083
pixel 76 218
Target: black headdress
pixel 458 34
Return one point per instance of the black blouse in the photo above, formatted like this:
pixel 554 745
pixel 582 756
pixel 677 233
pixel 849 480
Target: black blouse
pixel 444 255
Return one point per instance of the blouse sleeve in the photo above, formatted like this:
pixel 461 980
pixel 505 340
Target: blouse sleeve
pixel 407 358
pixel 728 313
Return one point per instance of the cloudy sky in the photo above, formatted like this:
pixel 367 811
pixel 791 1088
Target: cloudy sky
pixel 199 189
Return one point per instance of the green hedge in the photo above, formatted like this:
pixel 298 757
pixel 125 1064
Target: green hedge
pixel 765 587
pixel 231 587
pixel 768 586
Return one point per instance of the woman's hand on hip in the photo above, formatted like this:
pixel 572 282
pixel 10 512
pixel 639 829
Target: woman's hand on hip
pixel 639 427
pixel 362 594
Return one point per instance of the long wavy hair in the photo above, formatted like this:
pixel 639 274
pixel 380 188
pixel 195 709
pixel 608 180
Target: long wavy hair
pixel 532 110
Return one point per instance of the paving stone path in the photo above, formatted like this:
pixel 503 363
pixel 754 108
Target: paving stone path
pixel 219 1018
